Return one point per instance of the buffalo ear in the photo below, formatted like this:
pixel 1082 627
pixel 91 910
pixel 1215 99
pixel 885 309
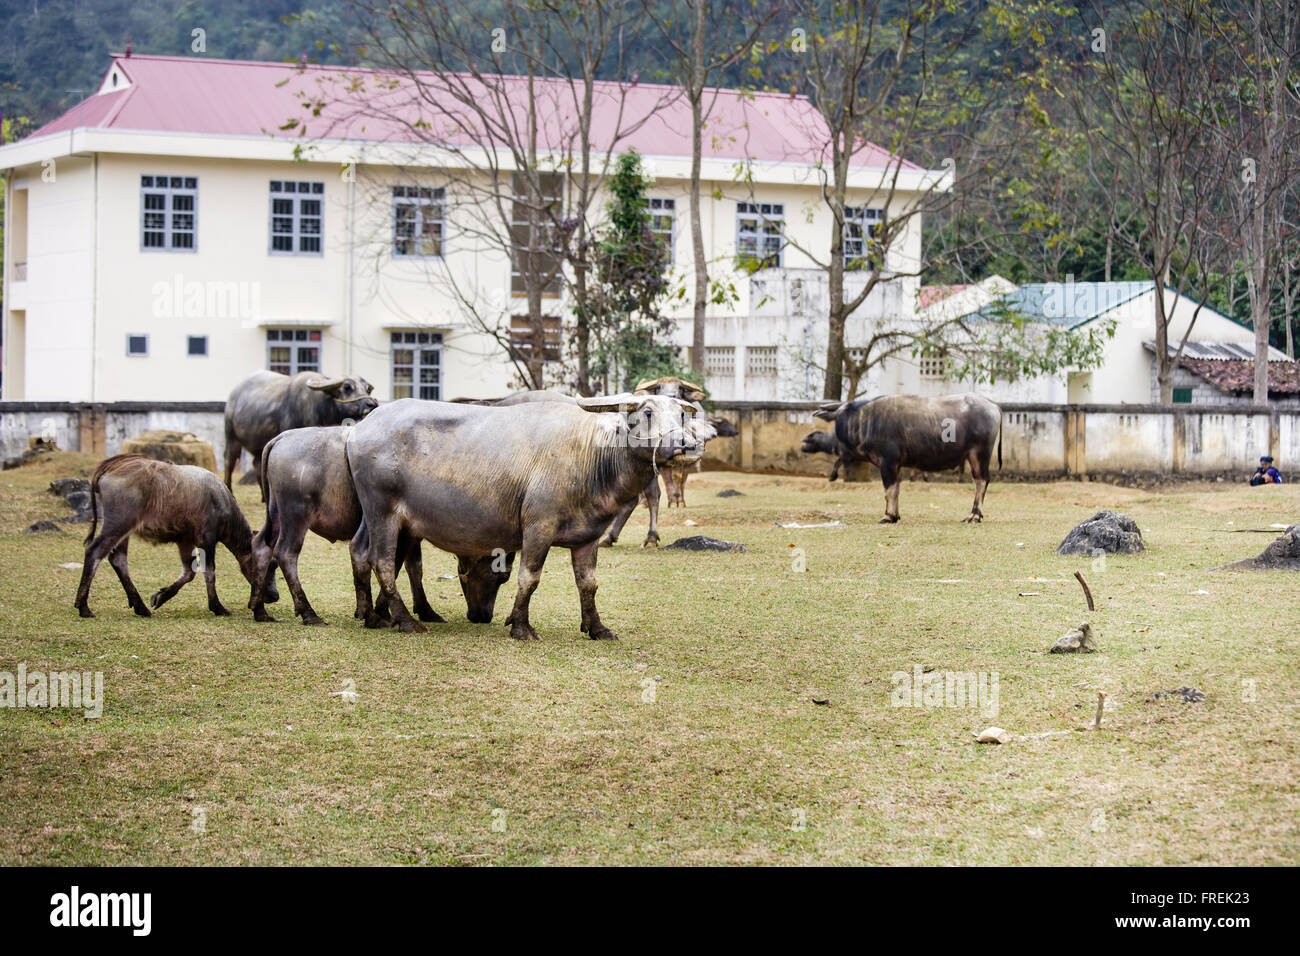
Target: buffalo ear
pixel 611 403
pixel 326 386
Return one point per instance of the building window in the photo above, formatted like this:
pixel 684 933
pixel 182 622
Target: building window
pixel 196 345
pixel 169 213
pixel 760 360
pixel 1182 396
pixel 934 368
pixel 663 224
pixel 418 221
pixel 137 345
pixel 417 365
pixel 535 258
pixel 521 337
pixel 760 234
pixel 297 217
pixel 862 228
pixel 290 351
pixel 720 360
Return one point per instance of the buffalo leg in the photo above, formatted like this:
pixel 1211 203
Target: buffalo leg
pixel 979 469
pixel 385 540
pixel 359 552
pixel 264 570
pixel 415 574
pixel 532 556
pixel 651 496
pixel 163 595
pixel 584 573
pixel 889 475
pixel 287 548
pixel 210 580
pixel 620 519
pixel 233 451
pixel 117 558
pixel 111 534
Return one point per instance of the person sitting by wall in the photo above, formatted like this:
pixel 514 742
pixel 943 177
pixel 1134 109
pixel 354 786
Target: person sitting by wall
pixel 1266 474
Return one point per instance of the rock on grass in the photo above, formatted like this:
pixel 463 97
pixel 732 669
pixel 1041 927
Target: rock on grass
pixel 1107 531
pixel 702 542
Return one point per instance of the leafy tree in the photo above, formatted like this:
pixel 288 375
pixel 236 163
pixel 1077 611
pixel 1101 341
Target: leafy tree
pixel 631 336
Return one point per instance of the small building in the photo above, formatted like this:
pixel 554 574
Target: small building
pixel 1127 372
pixel 1223 373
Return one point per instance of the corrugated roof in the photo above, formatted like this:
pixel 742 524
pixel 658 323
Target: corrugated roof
pixel 1064 303
pixel 249 98
pixel 1230 367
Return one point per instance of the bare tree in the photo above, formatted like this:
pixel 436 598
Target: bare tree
pixel 1140 99
pixel 1255 130
pixel 503 113
pixel 708 38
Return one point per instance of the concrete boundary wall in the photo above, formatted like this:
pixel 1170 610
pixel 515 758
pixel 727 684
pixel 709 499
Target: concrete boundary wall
pixel 1037 440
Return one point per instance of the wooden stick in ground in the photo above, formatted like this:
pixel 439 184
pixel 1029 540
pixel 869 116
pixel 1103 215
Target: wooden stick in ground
pixel 1086 593
pixel 1101 705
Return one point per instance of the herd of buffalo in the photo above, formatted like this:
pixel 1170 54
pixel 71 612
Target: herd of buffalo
pixel 493 483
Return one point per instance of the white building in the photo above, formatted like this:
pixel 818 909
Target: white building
pixel 1127 373
pixel 168 236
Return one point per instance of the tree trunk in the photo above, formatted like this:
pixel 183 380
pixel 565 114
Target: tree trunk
pixel 834 387
pixel 696 92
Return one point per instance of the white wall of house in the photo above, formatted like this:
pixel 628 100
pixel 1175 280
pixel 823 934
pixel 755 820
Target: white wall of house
pixel 90 282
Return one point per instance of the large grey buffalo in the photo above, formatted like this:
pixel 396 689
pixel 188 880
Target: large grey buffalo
pixel 267 403
pixel 481 480
pixel 908 431
pixel 307 487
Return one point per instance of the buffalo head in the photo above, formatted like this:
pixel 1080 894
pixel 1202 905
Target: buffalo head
pixel 819 441
pixel 656 427
pixel 480 580
pixel 351 393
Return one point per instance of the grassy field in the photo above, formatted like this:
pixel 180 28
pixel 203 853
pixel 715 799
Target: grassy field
pixel 695 739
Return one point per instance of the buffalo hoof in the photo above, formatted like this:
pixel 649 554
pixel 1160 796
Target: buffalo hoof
pixel 430 615
pixel 607 542
pixel 141 610
pixel 524 632
pixel 972 518
pixel 313 620
pixel 411 626
pixel 374 621
pixel 219 611
pixel 156 600
pixel 651 541
pixel 889 519
pixel 85 612
pixel 602 633
pixel 262 617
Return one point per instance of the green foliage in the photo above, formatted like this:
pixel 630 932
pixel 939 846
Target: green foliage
pixel 631 337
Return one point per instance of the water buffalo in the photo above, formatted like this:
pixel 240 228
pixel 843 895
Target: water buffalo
pixel 825 442
pixel 267 403
pixel 481 479
pixel 307 487
pixel 164 504
pixel 908 431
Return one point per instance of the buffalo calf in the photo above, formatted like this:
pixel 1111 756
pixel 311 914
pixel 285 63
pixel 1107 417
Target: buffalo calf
pixel 163 503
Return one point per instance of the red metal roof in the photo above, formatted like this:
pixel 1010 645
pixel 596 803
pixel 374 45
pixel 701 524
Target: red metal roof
pixel 248 98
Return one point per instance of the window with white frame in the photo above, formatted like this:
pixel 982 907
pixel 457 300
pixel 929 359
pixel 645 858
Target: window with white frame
pixel 290 351
pixel 663 224
pixel 760 234
pixel 137 344
pixel 760 361
pixel 418 221
pixel 169 213
pixel 863 226
pixel 297 217
pixel 417 365
pixel 720 360
pixel 535 256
